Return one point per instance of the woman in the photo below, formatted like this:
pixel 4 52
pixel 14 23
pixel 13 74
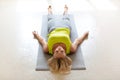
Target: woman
pixel 59 43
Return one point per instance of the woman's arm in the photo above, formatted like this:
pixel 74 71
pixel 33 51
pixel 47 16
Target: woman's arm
pixel 78 41
pixel 41 40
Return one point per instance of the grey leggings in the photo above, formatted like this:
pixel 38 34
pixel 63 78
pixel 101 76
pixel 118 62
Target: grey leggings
pixel 58 21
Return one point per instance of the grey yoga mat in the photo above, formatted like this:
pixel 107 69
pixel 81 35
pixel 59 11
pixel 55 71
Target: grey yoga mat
pixel 77 58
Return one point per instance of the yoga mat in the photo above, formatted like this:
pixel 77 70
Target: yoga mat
pixel 77 58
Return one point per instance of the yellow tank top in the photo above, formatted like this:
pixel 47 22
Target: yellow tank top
pixel 59 35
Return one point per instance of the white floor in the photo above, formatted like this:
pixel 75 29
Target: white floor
pixel 18 49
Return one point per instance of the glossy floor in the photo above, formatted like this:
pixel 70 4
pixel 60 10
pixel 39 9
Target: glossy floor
pixel 18 49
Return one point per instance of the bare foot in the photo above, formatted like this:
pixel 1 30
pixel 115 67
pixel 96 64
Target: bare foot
pixel 65 10
pixel 49 9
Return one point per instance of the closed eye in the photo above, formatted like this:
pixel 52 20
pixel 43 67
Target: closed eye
pixel 62 51
pixel 56 51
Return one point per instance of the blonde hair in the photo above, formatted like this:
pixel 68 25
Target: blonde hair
pixel 62 65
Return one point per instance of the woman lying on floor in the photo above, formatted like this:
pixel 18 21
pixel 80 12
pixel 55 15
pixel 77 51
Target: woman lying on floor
pixel 59 43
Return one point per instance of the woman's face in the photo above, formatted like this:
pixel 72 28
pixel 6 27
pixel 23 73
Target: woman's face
pixel 59 52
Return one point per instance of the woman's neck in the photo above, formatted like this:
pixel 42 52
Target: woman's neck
pixel 59 44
